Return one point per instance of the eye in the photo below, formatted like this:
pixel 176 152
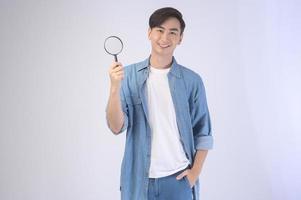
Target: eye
pixel 160 30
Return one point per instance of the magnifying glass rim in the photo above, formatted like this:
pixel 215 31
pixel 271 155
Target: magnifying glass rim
pixel 113 36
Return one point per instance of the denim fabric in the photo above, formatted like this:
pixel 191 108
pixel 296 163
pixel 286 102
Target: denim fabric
pixel 169 188
pixel 188 95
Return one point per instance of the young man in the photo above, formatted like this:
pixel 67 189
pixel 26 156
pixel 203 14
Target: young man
pixel 163 107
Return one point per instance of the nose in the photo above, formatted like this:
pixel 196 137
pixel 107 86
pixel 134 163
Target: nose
pixel 164 37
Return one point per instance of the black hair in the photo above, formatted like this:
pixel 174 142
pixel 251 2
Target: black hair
pixel 161 15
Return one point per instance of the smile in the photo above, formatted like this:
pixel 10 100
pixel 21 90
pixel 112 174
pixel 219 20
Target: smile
pixel 164 45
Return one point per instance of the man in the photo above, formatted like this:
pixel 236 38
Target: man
pixel 163 107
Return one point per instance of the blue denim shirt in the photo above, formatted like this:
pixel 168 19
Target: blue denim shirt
pixel 188 95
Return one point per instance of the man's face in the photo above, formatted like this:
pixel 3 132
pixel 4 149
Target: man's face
pixel 165 38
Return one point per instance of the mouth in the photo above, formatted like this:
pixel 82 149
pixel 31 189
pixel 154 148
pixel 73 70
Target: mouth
pixel 163 46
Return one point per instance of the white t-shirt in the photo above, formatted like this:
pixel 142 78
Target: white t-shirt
pixel 167 153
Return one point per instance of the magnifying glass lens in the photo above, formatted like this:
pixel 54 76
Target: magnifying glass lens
pixel 113 45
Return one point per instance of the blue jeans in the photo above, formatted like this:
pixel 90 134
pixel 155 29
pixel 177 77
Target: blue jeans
pixel 169 188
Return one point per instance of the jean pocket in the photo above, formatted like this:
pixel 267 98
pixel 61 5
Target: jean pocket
pixel 187 181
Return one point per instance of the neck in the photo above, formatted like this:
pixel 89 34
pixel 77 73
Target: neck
pixel 160 62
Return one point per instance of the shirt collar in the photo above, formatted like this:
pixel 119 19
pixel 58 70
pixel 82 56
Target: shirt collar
pixel 175 68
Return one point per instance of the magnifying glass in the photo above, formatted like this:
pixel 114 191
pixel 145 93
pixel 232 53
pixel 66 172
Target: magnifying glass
pixel 113 46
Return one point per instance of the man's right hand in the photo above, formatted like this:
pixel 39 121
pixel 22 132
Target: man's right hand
pixel 116 74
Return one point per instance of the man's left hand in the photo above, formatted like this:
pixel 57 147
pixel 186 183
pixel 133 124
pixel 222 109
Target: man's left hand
pixel 191 176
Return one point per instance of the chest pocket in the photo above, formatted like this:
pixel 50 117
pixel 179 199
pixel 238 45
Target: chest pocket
pixel 135 110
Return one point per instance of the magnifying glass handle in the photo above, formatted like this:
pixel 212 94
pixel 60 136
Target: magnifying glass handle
pixel 115 57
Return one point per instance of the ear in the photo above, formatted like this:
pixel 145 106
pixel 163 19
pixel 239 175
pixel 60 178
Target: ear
pixel 149 33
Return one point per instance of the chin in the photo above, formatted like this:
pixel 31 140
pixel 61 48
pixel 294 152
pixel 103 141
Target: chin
pixel 164 51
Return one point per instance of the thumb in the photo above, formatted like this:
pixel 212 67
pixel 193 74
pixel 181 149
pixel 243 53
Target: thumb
pixel 180 176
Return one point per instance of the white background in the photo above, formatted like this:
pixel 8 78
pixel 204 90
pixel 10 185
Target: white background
pixel 54 142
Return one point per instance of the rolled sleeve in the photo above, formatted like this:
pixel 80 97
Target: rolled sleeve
pixel 201 123
pixel 125 123
pixel 125 111
pixel 203 139
pixel 204 142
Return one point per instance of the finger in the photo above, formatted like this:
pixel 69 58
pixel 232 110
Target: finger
pixel 180 176
pixel 117 74
pixel 117 69
pixel 115 64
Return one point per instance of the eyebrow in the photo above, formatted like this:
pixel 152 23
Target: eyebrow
pixel 171 29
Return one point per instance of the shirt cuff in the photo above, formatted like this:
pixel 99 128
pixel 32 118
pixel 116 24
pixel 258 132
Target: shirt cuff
pixel 203 142
pixel 125 123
